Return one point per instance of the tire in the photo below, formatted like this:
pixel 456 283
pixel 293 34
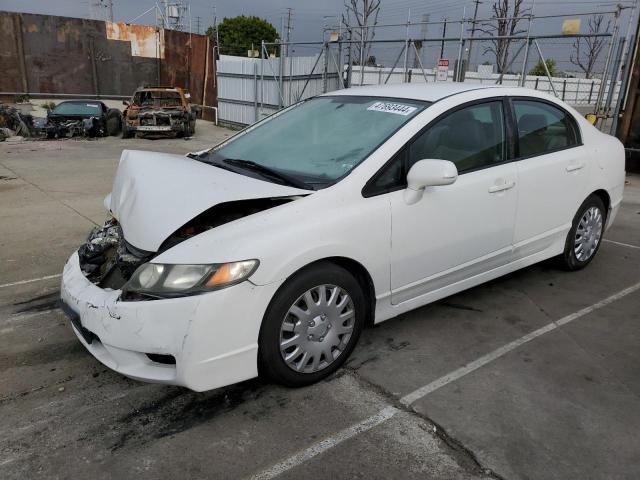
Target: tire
pixel 113 122
pixel 588 225
pixel 321 330
pixel 126 133
pixel 187 130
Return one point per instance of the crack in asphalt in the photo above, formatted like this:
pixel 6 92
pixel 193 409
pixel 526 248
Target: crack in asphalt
pixel 469 459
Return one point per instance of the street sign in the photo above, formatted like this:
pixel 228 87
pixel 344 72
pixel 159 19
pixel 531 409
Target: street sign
pixel 443 70
pixel 571 26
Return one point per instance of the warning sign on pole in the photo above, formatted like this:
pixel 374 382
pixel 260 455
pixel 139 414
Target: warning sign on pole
pixel 443 70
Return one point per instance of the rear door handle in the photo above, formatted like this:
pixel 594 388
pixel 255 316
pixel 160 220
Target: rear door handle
pixel 502 187
pixel 573 167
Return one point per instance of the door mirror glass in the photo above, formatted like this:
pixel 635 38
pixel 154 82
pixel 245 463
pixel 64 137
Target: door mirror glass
pixel 428 173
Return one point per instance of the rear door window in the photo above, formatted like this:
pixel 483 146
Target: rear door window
pixel 543 128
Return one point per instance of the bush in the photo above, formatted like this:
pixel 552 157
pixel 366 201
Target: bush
pixel 539 70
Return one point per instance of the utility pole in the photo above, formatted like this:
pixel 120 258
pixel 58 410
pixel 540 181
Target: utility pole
pixel 444 34
pixel 289 28
pixel 110 10
pixel 102 10
pixel 363 31
pixel 347 82
pixel 417 57
pixel 473 32
pixel 216 46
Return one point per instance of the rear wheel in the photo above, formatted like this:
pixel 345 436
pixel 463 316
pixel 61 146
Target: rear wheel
pixel 311 326
pixel 585 236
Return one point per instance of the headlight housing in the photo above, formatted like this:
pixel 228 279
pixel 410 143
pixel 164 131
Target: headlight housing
pixel 178 280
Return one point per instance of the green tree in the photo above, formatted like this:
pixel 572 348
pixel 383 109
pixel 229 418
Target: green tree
pixel 236 35
pixel 539 70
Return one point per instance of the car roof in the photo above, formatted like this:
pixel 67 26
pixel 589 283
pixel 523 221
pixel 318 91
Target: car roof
pixel 160 89
pixel 99 102
pixel 80 100
pixel 430 92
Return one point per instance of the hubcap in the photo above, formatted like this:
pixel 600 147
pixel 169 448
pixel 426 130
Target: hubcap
pixel 588 234
pixel 317 328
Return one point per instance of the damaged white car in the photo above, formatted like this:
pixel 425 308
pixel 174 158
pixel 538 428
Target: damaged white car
pixel 270 252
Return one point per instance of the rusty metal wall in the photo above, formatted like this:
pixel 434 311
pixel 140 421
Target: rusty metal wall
pixel 60 55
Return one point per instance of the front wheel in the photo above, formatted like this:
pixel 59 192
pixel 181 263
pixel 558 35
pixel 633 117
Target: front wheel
pixel 311 326
pixel 585 236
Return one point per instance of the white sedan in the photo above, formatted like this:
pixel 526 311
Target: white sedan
pixel 270 252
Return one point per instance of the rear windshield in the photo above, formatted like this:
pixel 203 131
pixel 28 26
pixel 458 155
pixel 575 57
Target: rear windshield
pixel 157 98
pixel 77 108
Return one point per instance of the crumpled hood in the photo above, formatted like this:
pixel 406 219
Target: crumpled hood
pixel 154 194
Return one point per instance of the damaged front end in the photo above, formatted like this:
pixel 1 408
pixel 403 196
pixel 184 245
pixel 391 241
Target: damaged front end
pixel 59 127
pixel 156 121
pixel 107 260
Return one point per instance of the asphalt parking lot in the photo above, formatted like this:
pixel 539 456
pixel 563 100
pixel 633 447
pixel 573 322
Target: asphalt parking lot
pixel 532 376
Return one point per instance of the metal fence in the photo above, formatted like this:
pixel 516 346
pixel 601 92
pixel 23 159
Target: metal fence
pixel 574 91
pixel 251 88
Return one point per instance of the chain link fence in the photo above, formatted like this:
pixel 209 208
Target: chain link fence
pixel 555 64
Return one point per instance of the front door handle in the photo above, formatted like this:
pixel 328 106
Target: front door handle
pixel 573 167
pixel 502 187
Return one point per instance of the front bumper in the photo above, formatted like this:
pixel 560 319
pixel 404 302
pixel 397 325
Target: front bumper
pixel 213 337
pixel 153 128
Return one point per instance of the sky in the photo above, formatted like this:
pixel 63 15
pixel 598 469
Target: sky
pixel 311 16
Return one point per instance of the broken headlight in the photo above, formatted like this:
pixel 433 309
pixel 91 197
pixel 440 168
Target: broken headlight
pixel 167 280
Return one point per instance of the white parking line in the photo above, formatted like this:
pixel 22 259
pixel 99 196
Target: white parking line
pixel 499 352
pixel 621 244
pixel 388 412
pixel 22 282
pixel 324 445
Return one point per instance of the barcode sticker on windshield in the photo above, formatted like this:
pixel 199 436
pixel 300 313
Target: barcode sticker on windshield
pixel 397 108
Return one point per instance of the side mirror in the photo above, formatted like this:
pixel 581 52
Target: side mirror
pixel 428 173
pixel 125 102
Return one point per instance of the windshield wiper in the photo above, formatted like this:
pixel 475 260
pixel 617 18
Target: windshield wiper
pixel 267 172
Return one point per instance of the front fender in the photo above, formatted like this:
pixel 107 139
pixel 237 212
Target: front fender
pixel 287 238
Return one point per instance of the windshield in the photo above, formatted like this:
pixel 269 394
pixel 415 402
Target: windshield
pixel 77 108
pixel 319 141
pixel 157 98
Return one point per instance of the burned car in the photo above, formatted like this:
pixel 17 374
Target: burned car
pixel 80 117
pixel 159 110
